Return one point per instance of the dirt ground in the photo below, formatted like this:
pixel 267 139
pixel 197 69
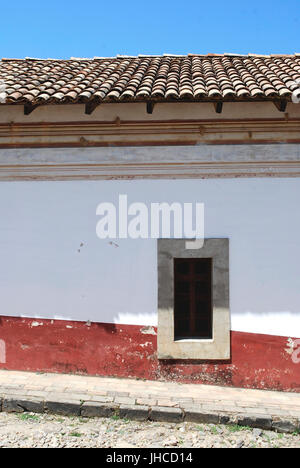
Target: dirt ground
pixel 40 430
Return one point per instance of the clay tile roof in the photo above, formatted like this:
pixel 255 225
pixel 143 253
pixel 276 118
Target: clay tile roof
pixel 143 78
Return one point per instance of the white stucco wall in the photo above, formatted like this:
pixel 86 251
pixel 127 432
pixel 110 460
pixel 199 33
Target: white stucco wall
pixel 46 272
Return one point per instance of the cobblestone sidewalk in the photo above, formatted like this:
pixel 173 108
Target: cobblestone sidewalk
pixel 71 395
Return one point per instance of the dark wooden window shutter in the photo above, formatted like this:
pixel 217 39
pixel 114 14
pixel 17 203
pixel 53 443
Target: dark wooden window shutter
pixel 193 298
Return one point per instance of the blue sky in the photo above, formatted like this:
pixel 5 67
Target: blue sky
pixel 88 28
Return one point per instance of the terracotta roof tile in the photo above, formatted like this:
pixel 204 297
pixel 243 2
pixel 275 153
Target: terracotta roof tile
pixel 142 78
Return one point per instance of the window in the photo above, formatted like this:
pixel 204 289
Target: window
pixel 192 298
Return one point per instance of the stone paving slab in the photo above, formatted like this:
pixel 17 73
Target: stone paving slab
pixel 141 400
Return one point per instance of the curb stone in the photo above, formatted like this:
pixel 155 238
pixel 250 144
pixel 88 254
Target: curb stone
pixel 14 404
pixel 94 409
pixel 284 426
pixel 137 413
pixel 64 408
pixel 255 421
pixel 90 409
pixel 198 416
pixel 166 414
pixel 225 419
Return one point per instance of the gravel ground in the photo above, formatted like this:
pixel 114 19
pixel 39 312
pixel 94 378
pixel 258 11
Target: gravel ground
pixel 32 430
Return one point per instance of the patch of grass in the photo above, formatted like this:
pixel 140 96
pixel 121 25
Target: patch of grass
pixel 237 428
pixel 296 433
pixel 60 420
pixel 75 434
pixel 82 420
pixel 213 430
pixel 71 418
pixel 28 417
pixel 115 416
pixel 200 428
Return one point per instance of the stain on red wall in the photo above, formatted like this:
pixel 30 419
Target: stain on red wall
pixel 257 361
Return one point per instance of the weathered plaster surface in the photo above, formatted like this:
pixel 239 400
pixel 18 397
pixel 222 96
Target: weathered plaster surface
pixel 257 361
pixel 203 161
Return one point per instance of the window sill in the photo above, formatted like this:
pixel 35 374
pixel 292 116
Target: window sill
pixel 194 340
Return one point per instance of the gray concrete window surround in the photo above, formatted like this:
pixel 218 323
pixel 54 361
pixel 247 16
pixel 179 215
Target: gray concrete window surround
pixel 217 348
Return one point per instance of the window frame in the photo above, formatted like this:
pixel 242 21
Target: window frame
pixel 216 348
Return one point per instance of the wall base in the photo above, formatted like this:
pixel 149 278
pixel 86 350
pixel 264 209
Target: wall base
pixel 257 361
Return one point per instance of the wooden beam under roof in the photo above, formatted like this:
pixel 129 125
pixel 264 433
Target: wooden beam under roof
pixel 218 107
pixel 91 106
pixel 28 108
pixel 281 105
pixel 150 107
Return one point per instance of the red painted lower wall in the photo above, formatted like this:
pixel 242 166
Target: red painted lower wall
pixel 257 361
